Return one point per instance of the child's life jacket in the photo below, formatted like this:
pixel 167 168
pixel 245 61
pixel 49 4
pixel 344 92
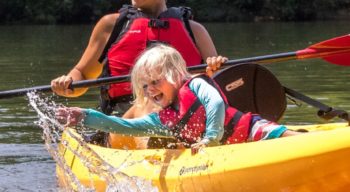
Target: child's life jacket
pixel 188 123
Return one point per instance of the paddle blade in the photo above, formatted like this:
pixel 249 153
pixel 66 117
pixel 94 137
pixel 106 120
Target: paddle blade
pixel 342 42
pixel 336 50
pixel 339 59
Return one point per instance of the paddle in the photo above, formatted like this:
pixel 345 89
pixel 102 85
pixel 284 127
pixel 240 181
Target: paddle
pixel 76 84
pixel 335 51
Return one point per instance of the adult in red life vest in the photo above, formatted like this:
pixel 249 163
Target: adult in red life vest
pixel 193 110
pixel 117 40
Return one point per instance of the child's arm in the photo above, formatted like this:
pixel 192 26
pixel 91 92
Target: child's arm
pixel 215 110
pixel 148 125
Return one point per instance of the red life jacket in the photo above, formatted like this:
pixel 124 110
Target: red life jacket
pixel 188 123
pixel 139 32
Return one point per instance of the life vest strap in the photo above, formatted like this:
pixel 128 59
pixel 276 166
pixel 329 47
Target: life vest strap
pixel 186 117
pixel 157 23
pixel 187 16
pixel 118 27
pixel 229 128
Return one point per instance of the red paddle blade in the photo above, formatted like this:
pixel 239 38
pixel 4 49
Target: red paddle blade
pixel 339 59
pixel 336 50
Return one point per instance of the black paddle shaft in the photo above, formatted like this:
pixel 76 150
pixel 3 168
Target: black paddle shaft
pixel 124 78
pixel 77 84
pixel 258 59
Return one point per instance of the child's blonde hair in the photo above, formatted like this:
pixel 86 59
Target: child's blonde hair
pixel 157 62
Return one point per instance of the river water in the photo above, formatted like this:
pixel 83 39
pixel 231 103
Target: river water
pixel 33 55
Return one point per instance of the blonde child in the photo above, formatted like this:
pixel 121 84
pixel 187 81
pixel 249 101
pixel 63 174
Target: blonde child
pixel 193 110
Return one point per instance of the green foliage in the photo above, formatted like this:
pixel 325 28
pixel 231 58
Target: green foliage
pixel 88 11
pixel 55 11
pixel 256 10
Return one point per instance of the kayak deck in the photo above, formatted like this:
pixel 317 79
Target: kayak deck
pixel 307 162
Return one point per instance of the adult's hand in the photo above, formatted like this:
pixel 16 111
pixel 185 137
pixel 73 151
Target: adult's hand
pixel 60 85
pixel 214 64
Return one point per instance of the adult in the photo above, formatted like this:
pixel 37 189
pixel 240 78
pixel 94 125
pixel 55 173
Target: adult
pixel 141 24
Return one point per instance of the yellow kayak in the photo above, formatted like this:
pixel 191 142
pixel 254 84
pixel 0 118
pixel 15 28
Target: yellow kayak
pixel 314 161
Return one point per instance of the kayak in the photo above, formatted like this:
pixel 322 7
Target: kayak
pixel 314 161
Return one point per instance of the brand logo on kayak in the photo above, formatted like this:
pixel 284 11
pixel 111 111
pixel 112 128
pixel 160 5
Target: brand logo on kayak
pixel 234 84
pixel 195 169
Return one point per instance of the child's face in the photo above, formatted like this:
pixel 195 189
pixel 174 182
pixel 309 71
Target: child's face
pixel 160 92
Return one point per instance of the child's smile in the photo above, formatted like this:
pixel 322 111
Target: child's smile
pixel 161 92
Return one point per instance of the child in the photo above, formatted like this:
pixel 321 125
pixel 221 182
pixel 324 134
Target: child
pixel 193 110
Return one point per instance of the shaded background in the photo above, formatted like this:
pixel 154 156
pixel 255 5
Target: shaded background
pixel 89 11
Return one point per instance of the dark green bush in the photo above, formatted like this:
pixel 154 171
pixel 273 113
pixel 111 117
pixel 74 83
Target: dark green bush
pixel 89 11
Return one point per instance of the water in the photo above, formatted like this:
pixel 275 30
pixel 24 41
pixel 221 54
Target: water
pixel 33 55
pixel 52 131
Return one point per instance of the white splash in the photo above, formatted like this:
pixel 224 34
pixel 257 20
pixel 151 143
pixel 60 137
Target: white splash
pixel 52 131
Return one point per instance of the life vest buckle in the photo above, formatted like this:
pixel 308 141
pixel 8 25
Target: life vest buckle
pixel 104 93
pixel 152 42
pixel 157 23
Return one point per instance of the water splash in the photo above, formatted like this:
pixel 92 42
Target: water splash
pixel 52 132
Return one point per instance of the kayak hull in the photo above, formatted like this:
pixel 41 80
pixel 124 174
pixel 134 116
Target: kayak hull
pixel 315 161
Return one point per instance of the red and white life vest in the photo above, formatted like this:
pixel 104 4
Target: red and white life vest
pixel 140 31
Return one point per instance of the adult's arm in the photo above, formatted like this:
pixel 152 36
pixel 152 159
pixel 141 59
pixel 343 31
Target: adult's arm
pixel 204 42
pixel 206 48
pixel 88 66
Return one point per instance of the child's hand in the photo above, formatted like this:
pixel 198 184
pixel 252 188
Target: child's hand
pixel 69 116
pixel 181 145
pixel 214 64
pixel 195 148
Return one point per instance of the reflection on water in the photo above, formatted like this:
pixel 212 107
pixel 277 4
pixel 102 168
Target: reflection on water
pixel 33 55
pixel 25 167
pixel 23 154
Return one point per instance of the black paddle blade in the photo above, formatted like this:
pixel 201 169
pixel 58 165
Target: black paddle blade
pixel 253 88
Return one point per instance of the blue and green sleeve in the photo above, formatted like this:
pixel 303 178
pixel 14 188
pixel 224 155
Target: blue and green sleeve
pixel 148 125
